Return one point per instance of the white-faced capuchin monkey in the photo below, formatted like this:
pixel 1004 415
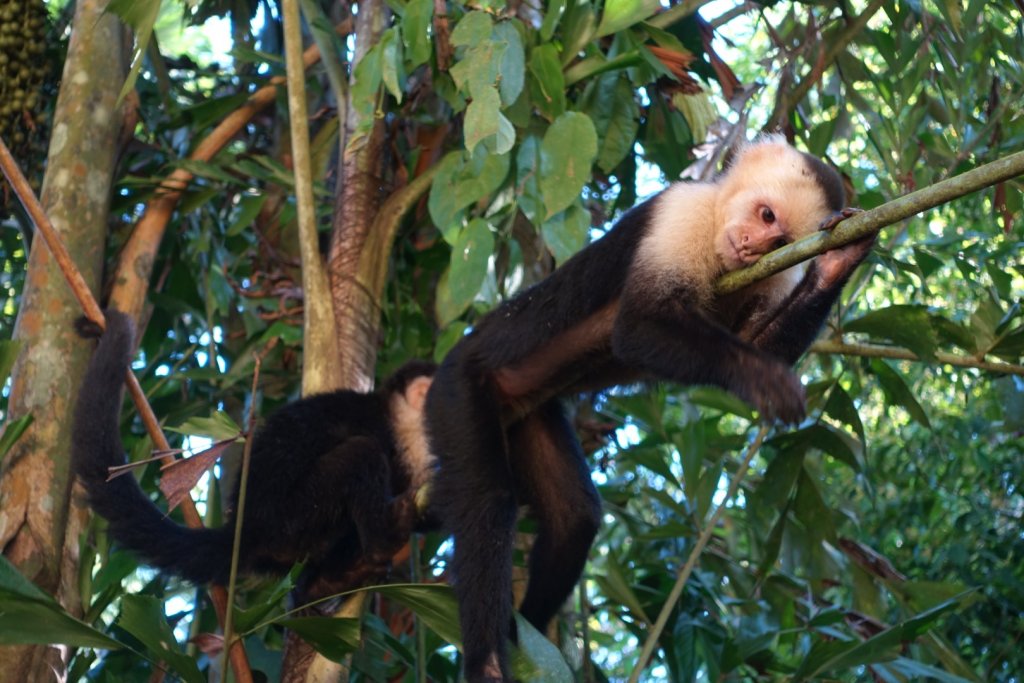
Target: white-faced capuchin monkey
pixel 332 478
pixel 638 304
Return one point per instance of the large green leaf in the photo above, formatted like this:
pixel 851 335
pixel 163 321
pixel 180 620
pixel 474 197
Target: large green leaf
pixel 567 153
pixel 897 392
pixel 837 656
pixel 416 31
pixel 512 67
pixel 621 14
pixel 906 325
pixel 28 616
pixel 461 181
pixel 143 617
pixel 547 82
pixel 536 659
pixel 333 637
pixel 566 233
pixel 434 603
pixel 470 255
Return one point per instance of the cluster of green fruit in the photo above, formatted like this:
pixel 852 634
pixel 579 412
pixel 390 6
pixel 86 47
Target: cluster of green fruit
pixel 26 75
pixel 23 68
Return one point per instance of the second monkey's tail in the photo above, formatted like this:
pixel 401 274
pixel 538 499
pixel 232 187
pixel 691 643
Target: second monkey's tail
pixel 198 555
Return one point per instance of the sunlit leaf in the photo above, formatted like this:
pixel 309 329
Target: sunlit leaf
pixel 567 153
pixel 620 14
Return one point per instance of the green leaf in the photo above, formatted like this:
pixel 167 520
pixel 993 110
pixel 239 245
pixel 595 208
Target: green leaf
pixel 143 617
pixel 512 66
pixel 364 94
pixel 392 71
pixel 536 659
pixel 460 182
pixel 333 637
pixel 616 587
pixel 621 14
pixel 472 29
pixel 470 255
pixel 838 656
pixel 780 478
pixel 547 83
pixel 809 507
pixel 481 120
pixel 416 31
pixel 624 122
pixel 28 616
pixel 141 16
pixel 897 392
pixel 528 196
pixel 555 10
pixel 567 153
pixel 566 233
pixel 580 25
pixel 219 427
pixel 248 208
pixel 13 431
pixel 903 324
pixel 435 604
pixel 9 351
pixel 841 407
pixel 719 399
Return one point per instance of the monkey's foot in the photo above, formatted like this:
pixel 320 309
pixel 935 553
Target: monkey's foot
pixel 838 217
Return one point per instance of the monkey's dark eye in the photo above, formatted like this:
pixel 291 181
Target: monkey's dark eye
pixel 767 215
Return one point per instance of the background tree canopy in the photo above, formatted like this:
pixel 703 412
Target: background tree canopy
pixel 459 152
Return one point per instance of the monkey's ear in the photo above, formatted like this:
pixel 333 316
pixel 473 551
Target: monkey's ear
pixel 416 392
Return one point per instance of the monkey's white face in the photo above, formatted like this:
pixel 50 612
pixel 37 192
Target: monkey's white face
pixel 768 198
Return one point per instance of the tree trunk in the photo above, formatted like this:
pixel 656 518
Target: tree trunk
pixel 356 308
pixel 39 526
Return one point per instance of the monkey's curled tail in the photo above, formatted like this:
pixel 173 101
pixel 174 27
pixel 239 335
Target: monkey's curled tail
pixel 198 555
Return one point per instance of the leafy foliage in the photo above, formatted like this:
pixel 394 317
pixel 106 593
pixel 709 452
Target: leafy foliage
pixel 878 541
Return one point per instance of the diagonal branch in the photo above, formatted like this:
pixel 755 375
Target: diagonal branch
pixel 870 222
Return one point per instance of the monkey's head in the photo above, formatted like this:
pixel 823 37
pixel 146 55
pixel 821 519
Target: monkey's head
pixel 410 383
pixel 772 195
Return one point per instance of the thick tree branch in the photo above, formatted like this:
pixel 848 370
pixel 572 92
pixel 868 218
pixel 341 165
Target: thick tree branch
pixel 830 346
pixel 870 222
pixel 320 369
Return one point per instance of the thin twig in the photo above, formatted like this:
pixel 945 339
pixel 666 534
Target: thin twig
pixel 91 308
pixel 243 485
pixel 684 574
pixel 830 346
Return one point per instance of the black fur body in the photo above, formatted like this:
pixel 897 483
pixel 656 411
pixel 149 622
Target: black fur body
pixel 606 317
pixel 326 483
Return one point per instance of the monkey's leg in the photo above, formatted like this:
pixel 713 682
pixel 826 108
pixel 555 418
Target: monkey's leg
pixel 552 475
pixel 474 496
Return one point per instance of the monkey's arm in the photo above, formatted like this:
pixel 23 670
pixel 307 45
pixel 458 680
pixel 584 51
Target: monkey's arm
pixel 670 338
pixel 797 320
